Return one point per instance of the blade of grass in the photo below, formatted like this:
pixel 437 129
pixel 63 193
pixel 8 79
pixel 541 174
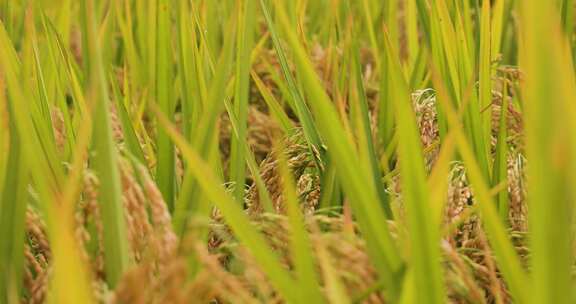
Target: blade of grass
pixel 369 25
pixel 437 181
pixel 485 76
pixel 497 28
pixel 12 216
pixel 568 16
pixel 192 99
pixel 128 130
pixel 424 14
pixel 273 105
pixel 366 131
pixel 412 32
pixel 165 169
pixel 447 34
pixel 42 119
pixel 424 234
pixel 116 256
pixel 245 42
pixel 126 26
pixel 4 133
pixel 548 96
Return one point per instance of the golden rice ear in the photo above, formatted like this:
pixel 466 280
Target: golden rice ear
pixel 299 160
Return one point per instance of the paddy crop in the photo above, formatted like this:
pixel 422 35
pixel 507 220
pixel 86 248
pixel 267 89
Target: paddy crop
pixel 274 151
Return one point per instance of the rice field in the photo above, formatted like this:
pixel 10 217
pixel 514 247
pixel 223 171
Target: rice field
pixel 287 151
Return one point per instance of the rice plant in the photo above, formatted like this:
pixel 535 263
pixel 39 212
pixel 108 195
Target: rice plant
pixel 275 151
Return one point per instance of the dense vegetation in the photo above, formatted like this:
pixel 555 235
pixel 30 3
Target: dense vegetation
pixel 287 151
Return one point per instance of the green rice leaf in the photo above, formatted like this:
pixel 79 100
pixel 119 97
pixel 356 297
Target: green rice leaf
pixel 422 229
pixel 116 257
pixel 165 169
pixel 548 95
pixel 245 43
